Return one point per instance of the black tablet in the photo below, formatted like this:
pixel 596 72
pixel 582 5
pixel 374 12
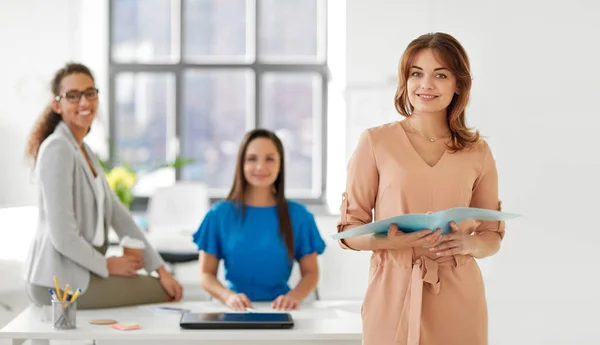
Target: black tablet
pixel 236 321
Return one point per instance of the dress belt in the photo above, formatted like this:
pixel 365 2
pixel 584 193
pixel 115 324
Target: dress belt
pixel 424 273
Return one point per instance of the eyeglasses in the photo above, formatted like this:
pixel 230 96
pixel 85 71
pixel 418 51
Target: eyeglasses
pixel 74 96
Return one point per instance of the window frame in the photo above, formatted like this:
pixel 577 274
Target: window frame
pixel 259 68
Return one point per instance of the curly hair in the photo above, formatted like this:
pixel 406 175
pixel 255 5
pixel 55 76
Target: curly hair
pixel 452 54
pixel 47 122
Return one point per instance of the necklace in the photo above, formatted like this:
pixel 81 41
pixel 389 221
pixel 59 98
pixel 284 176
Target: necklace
pixel 421 133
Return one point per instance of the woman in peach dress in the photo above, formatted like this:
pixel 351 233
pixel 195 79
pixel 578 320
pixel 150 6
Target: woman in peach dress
pixel 424 287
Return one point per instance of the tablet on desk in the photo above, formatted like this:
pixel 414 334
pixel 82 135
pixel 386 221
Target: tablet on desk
pixel 236 321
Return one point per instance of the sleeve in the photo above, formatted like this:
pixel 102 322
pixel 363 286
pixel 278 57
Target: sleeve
pixel 207 237
pixel 124 225
pixel 485 193
pixel 309 240
pixel 361 187
pixel 56 164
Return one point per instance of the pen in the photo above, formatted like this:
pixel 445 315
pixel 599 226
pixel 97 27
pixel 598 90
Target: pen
pixel 74 298
pixel 52 295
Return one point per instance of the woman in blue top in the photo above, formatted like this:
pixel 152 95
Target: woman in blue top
pixel 258 233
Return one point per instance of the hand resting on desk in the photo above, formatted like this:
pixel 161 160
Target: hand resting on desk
pixel 238 301
pixel 285 302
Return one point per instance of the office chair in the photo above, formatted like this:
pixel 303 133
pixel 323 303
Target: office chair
pixel 173 215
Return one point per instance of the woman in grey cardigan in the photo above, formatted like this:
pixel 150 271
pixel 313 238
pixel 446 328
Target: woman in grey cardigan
pixel 76 209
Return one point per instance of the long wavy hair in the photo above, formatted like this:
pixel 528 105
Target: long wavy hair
pixel 454 57
pixel 47 122
pixel 240 185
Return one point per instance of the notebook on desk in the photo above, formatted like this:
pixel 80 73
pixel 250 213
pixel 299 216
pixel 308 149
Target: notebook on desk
pixel 236 321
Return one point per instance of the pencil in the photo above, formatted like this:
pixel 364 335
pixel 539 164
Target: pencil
pixel 66 293
pixel 57 289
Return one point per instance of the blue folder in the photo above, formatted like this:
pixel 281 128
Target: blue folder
pixel 419 221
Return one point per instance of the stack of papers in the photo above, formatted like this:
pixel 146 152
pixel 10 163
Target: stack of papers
pixel 420 221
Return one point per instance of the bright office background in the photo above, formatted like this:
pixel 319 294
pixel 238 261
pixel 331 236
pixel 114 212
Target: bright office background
pixel 534 96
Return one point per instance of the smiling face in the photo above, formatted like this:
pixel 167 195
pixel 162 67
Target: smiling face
pixel 261 163
pixel 430 85
pixel 76 110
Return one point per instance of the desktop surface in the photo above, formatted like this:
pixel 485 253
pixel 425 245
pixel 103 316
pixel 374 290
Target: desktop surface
pixel 320 322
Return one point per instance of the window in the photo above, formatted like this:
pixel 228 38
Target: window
pixel 189 77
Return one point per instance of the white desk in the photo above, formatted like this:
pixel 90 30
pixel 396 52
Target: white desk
pixel 321 322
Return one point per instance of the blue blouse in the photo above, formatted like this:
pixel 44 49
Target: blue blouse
pixel 255 255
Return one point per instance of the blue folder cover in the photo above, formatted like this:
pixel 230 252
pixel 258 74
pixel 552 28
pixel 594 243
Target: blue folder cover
pixel 419 221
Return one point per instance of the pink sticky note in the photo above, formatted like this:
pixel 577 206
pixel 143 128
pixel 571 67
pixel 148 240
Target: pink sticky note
pixel 126 326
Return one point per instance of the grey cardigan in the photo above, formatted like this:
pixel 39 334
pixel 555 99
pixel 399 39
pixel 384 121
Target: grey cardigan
pixel 68 215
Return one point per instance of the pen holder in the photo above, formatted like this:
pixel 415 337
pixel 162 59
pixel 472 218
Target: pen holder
pixel 64 315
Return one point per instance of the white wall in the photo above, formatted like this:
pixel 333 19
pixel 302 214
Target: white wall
pixel 38 37
pixel 534 95
pixel 35 39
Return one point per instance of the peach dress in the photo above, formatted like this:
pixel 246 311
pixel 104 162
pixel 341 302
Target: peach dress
pixel 413 296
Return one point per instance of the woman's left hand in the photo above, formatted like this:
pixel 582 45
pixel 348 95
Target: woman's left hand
pixel 457 242
pixel 285 302
pixel 171 286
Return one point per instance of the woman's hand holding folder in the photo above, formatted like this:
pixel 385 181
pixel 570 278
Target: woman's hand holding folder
pixel 397 240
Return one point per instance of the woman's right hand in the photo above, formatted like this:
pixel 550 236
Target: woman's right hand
pixel 238 301
pixel 124 266
pixel 401 240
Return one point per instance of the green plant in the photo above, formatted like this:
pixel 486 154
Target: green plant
pixel 121 180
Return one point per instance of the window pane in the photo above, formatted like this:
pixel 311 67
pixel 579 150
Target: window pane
pixel 142 31
pixel 216 106
pixel 291 106
pixel 291 30
pixel 216 29
pixel 144 117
